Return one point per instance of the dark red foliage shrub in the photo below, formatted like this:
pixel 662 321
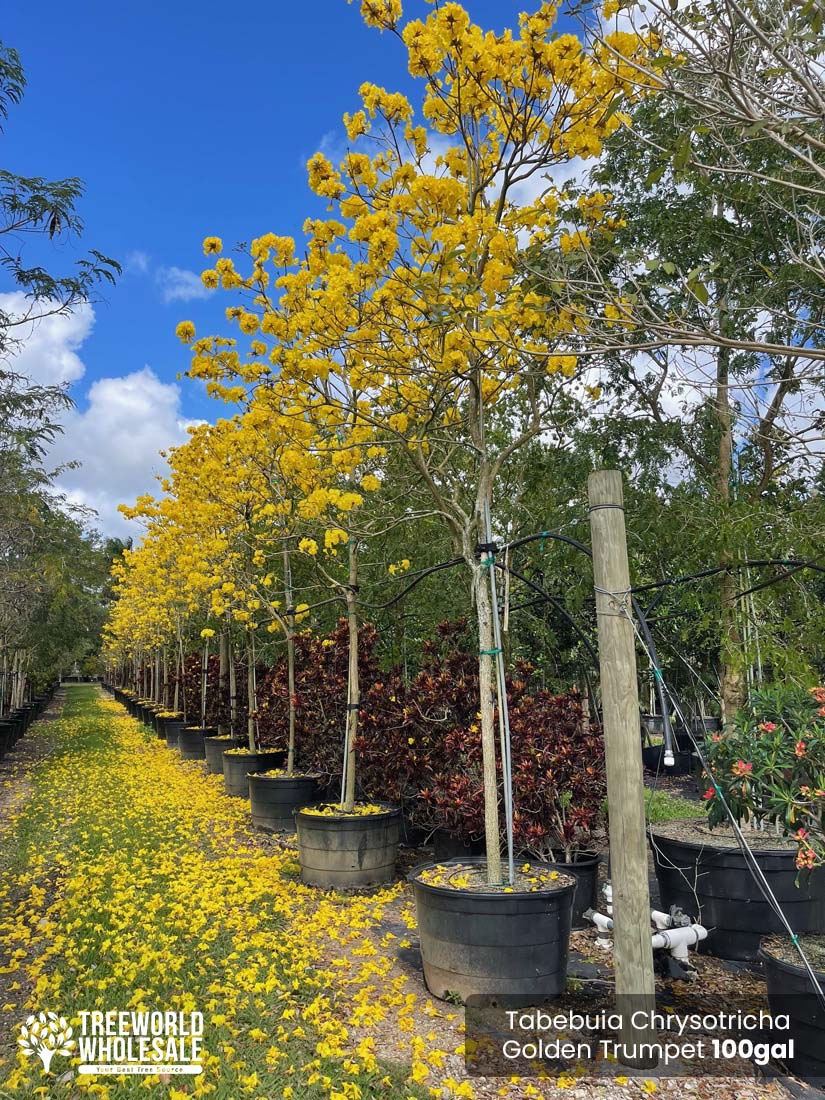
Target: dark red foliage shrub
pixel 419 744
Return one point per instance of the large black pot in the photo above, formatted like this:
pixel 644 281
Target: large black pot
pixel 214 748
pixel 446 845
pixel 274 798
pixel 345 851
pixel 585 870
pixel 190 741
pixel 8 736
pixel 493 944
pixel 790 991
pixel 653 758
pixel 716 887
pixel 237 766
pixel 171 731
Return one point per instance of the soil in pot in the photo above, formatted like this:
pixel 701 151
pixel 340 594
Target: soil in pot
pixel 584 868
pixel 214 748
pixel 237 765
pixel 339 851
pixel 791 992
pixel 493 941
pixel 274 796
pixel 703 871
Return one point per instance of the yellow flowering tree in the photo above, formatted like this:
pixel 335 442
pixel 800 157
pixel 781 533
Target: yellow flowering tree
pixel 407 318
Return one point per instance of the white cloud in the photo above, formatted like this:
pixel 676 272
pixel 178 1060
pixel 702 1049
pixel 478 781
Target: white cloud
pixel 48 347
pixel 117 440
pixel 138 262
pixel 179 285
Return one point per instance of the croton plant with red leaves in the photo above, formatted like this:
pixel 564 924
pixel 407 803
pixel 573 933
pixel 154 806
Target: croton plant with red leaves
pixel 419 743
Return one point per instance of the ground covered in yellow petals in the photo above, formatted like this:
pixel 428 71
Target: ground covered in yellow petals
pixel 131 882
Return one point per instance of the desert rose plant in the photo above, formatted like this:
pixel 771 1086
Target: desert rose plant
pixel 769 765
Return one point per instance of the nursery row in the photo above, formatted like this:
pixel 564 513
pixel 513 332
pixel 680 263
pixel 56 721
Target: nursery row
pixel 417 743
pixel 514 940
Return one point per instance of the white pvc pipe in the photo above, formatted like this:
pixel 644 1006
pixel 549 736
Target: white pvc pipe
pixel 661 920
pixel 677 940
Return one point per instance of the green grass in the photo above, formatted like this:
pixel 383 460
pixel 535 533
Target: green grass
pixel 662 806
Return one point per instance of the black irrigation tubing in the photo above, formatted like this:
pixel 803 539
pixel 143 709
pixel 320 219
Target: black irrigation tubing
pixel 640 615
pixel 421 576
pixel 547 598
pixel 756 563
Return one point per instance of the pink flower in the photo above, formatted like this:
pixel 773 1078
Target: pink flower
pixel 709 794
pixel 800 748
pixel 801 834
pixel 716 737
pixel 741 768
pixel 805 858
pixel 768 727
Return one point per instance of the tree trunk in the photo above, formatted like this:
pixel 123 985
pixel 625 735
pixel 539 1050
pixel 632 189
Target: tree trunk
pixel 165 694
pixel 204 678
pixel 250 694
pixel 484 611
pixel 223 656
pixel 233 689
pixel 353 688
pixel 290 660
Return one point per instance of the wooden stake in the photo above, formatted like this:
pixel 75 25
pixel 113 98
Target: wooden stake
pixel 632 952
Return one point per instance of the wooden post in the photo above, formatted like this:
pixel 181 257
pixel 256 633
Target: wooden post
pixel 632 952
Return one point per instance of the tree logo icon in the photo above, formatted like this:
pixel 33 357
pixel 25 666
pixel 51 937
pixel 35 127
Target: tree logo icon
pixel 45 1035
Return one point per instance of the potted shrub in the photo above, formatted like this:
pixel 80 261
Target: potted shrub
pixel 769 764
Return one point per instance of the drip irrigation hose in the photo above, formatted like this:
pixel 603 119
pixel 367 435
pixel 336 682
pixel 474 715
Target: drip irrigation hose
pixel 546 597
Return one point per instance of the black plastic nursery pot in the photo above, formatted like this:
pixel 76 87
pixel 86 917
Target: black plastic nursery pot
pixel 274 798
pixel 171 731
pixel 477 942
pixel 791 992
pixel 714 885
pixel 190 741
pixel 238 765
pixel 584 868
pixel 343 851
pixel 214 748
pixel 7 737
pixel 653 758
pixel 446 845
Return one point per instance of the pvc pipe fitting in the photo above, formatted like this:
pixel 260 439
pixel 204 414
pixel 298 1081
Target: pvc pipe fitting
pixel 661 920
pixel 677 940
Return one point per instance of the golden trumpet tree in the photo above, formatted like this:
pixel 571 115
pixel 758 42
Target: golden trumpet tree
pixel 406 321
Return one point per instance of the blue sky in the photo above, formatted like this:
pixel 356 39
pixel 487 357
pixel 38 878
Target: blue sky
pixel 184 119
